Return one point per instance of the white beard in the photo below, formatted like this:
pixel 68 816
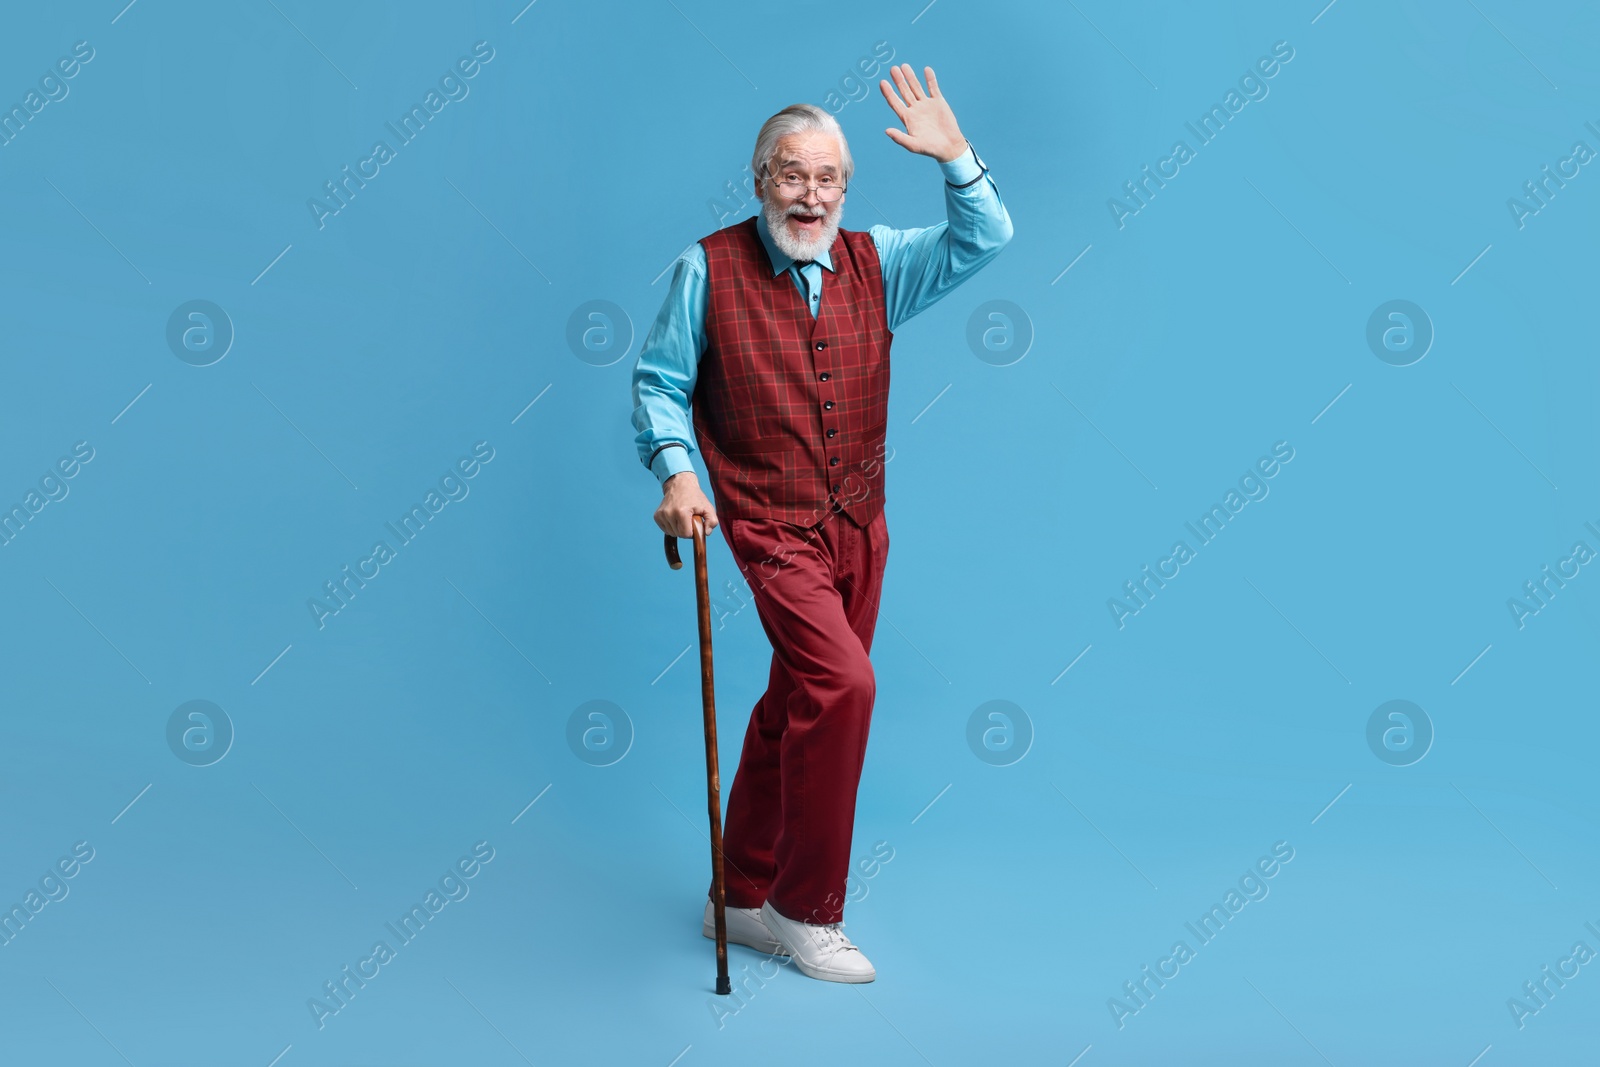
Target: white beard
pixel 808 247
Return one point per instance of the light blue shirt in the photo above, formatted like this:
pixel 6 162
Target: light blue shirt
pixel 919 266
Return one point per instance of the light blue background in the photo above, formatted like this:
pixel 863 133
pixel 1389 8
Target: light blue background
pixel 428 714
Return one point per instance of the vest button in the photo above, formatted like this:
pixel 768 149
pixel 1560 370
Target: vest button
pixel 827 405
pixel 834 462
pixel 832 433
pixel 823 376
pixel 821 345
pixel 836 489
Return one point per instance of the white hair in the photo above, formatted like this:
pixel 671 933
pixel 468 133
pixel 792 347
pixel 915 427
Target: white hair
pixel 799 118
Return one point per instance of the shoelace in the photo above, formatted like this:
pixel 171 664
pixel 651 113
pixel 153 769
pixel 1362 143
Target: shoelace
pixel 831 937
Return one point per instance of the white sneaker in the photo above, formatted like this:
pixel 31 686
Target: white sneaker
pixel 820 951
pixel 744 928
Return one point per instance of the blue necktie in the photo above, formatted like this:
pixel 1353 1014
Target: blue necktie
pixel 805 282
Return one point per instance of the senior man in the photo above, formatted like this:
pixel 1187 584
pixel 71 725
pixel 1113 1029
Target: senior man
pixel 779 328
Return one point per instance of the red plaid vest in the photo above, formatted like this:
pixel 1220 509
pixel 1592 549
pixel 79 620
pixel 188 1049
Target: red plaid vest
pixel 790 412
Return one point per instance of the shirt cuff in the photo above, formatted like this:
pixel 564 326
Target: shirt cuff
pixel 672 459
pixel 963 169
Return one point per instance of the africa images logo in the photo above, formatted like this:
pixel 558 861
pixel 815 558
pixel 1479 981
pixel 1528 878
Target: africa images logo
pixel 1252 487
pixel 452 87
pixel 453 886
pixel 453 486
pixel 1253 86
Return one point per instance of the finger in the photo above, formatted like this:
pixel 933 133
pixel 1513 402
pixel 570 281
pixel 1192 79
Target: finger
pixel 933 83
pixel 893 99
pixel 899 74
pixel 898 138
pixel 912 82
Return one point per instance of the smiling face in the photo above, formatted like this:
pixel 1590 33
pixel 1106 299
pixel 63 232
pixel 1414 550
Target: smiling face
pixel 806 227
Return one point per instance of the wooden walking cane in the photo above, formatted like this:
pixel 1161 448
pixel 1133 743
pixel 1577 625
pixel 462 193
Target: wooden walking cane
pixel 709 705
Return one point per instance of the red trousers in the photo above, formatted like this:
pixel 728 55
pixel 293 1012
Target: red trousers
pixel 792 806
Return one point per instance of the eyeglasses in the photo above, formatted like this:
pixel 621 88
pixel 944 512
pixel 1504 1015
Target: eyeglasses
pixel 827 191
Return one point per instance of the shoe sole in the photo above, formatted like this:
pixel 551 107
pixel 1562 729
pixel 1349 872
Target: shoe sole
pixel 832 976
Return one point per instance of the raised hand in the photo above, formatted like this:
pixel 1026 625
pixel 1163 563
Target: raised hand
pixel 931 128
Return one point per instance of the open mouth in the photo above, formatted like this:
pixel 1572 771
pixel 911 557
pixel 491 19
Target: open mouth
pixel 807 222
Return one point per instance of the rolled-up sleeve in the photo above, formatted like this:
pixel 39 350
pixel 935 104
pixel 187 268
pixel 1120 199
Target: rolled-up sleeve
pixel 664 374
pixel 921 265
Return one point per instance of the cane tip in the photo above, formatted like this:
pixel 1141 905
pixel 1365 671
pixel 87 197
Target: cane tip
pixel 724 985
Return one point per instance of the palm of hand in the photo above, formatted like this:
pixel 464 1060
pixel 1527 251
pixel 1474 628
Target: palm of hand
pixel 930 125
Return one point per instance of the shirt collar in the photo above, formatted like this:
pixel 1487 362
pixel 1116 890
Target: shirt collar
pixel 780 260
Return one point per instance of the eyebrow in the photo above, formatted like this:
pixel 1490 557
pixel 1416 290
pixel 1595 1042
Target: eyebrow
pixel 789 164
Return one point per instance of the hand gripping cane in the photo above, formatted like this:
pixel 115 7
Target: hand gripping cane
pixel 709 705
